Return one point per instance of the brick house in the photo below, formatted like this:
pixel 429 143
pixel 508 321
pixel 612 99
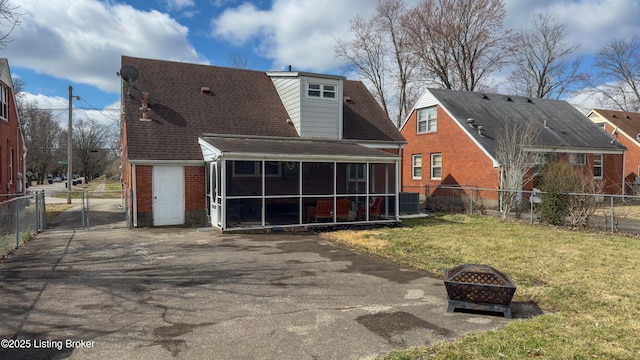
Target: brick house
pixel 451 140
pixel 12 150
pixel 624 127
pixel 242 149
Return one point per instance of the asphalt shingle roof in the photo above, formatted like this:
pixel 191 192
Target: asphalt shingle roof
pixel 629 122
pixel 566 127
pixel 240 102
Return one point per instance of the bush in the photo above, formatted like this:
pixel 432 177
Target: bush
pixel 558 180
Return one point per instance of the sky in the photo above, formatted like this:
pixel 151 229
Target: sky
pixel 79 43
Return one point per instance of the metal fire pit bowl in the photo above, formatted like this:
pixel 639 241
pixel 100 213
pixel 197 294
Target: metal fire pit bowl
pixel 479 287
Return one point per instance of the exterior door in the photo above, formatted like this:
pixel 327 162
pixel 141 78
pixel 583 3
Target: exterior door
pixel 168 195
pixel 214 194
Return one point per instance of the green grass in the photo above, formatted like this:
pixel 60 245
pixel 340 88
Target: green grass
pixel 53 210
pixel 588 283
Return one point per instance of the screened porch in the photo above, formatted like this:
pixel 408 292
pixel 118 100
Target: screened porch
pixel 244 193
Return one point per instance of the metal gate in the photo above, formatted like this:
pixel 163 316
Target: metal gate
pixel 88 210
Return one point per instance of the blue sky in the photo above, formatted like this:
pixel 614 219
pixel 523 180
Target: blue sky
pixel 79 42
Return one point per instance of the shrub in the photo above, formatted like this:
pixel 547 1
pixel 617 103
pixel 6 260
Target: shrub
pixel 558 180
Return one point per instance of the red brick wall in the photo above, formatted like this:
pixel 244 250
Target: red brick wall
pixel 194 195
pixel 11 138
pixel 631 157
pixel 463 163
pixel 144 188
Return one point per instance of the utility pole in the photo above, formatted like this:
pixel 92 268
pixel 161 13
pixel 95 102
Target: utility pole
pixel 69 149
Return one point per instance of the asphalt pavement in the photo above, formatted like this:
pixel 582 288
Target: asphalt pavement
pixel 181 293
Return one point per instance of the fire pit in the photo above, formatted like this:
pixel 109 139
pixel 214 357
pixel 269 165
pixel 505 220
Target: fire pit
pixel 479 287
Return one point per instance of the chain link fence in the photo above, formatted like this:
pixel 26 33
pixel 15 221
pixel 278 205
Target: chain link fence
pixel 21 217
pixel 87 210
pixel 615 213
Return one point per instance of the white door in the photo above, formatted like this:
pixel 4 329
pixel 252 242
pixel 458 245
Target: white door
pixel 168 195
pixel 214 194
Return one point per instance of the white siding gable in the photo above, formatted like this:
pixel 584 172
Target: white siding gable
pixel 317 116
pixel 321 117
pixel 289 90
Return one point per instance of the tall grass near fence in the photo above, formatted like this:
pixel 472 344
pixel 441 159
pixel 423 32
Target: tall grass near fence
pixel 596 211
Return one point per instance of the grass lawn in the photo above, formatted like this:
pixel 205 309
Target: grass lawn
pixel 587 283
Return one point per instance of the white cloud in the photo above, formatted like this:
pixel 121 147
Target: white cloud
pixel 59 108
pixel 592 23
pixel 178 4
pixel 297 32
pixel 83 40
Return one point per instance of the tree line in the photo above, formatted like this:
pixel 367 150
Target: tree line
pixel 94 145
pixel 462 45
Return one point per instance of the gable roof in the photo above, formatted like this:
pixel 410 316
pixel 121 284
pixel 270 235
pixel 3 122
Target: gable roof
pixel 239 102
pixel 363 117
pixel 562 126
pixel 627 122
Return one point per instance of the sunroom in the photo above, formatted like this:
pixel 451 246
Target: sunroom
pixel 287 182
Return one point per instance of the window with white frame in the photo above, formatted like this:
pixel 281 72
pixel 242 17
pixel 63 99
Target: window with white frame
pixel 597 166
pixel 323 91
pixel 436 166
pixel 356 172
pixel 427 120
pixel 4 102
pixel 416 166
pixel 578 159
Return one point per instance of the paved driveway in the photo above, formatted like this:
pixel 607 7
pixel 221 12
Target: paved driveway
pixel 189 294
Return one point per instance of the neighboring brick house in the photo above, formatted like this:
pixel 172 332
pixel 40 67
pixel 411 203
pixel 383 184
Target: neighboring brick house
pixel 12 151
pixel 624 127
pixel 244 149
pixel 451 140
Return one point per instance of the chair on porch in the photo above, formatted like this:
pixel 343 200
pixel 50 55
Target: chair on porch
pixel 324 209
pixel 374 209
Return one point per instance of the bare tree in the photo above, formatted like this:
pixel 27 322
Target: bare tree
pixel 616 79
pixel 240 60
pixel 458 42
pixel 379 53
pixel 513 151
pixel 545 67
pixel 9 19
pixel 42 134
pixel 90 141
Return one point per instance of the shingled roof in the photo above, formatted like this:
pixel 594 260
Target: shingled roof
pixel 562 126
pixel 628 122
pixel 237 102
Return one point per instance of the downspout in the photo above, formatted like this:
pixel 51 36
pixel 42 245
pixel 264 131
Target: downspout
pixel 397 191
pixel 135 195
pixel 624 185
pixel 500 186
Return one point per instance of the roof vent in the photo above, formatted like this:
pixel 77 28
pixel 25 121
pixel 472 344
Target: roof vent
pixel 205 90
pixel 508 98
pixel 638 136
pixel 529 100
pixel 348 99
pixel 144 106
pixel 471 121
pixel 480 130
pixel 627 116
pixel 613 115
pixel 484 96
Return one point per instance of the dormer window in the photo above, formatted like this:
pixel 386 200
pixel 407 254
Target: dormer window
pixel 321 91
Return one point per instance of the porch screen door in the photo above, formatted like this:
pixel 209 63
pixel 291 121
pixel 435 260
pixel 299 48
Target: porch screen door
pixel 214 194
